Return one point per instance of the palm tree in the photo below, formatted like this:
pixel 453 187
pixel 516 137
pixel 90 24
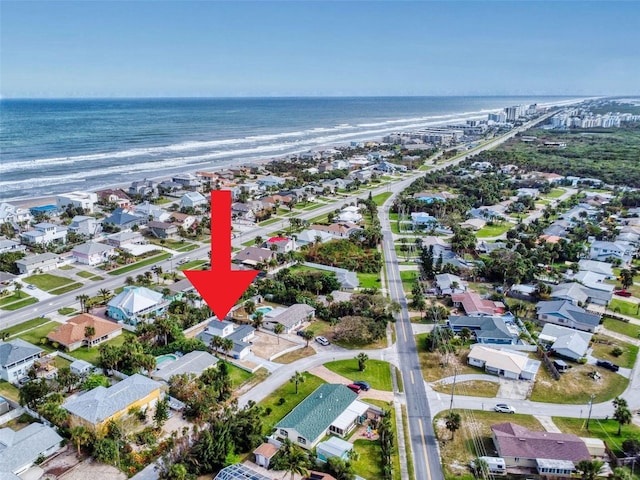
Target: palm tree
pixel 297 378
pixel 626 277
pixel 622 413
pixel 83 301
pixel 257 320
pixel 17 287
pixel 480 468
pixel 278 329
pixel 589 469
pixel 453 422
pixel 89 332
pixel 307 335
pixel 80 436
pixel 294 460
pixel 105 293
pixel 621 474
pixel 362 361
pixel 216 343
pixel 249 307
pixel 258 240
pixel 227 345
pixel 158 271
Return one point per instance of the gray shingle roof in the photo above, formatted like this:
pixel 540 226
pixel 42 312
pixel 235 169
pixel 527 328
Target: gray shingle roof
pixel 566 309
pixel 318 411
pixel 100 403
pixel 23 447
pixel 16 350
pixel 194 362
pixel 294 314
pixel 483 327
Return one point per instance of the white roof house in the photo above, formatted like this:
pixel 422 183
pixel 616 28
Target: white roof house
pixel 603 268
pixel 20 449
pixel 194 362
pixel 567 342
pixel 133 302
pixel 193 199
pixel 506 363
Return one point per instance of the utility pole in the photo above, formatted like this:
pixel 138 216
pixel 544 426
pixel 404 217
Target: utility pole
pixel 590 407
pixel 453 388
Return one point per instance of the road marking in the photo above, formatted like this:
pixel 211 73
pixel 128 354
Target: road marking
pixel 411 375
pixel 424 449
pixel 404 331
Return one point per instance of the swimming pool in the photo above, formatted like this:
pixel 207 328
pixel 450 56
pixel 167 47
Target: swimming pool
pixel 264 309
pixel 165 358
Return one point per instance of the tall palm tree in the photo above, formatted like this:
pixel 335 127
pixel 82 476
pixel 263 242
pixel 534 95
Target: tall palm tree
pixel 257 320
pixel 362 361
pixel 278 329
pixel 105 293
pixel 453 422
pixel 89 333
pixel 83 302
pixel 297 378
pixel 215 343
pixel 80 436
pixel 622 413
pixel 226 345
pixel 17 287
pixel 295 461
pixel 308 336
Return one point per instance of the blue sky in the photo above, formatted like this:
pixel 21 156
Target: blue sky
pixel 183 48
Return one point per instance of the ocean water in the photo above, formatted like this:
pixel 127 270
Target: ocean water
pixel 54 146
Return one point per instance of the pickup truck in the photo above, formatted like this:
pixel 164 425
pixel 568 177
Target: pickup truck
pixel 608 365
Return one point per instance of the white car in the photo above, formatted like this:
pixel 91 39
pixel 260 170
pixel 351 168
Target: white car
pixel 504 408
pixel 322 341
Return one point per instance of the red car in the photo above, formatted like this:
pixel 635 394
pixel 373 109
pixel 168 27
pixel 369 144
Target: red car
pixel 622 293
pixel 354 387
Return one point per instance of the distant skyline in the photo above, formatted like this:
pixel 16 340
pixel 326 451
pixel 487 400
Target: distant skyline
pixel 306 48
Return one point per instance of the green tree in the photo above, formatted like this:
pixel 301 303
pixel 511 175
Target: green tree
pixel 620 473
pixel 249 307
pixel 258 319
pixel 480 468
pixel 589 469
pixel 297 378
pixel 341 469
pixel 308 336
pixel 453 422
pixel 83 302
pixel 105 293
pixel 33 393
pixel 105 450
pixel 622 414
pixel 66 378
pixel 626 277
pixel 362 359
pixel 89 333
pixel 17 287
pixel 227 345
pixel 80 437
pixel 161 414
pixel 293 459
pixel 278 329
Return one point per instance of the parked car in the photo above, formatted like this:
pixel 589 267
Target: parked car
pixel 362 384
pixel 354 387
pixel 608 365
pixel 504 408
pixel 31 287
pixel 299 332
pixel 322 341
pixel 622 293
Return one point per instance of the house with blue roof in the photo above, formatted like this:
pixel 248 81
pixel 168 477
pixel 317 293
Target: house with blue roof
pixel 566 314
pixel 134 303
pixel 423 220
pixel 489 330
pixel 124 219
pixel 330 410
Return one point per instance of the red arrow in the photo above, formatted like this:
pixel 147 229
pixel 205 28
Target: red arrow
pixel 221 287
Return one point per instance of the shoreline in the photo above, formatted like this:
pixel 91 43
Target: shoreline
pixel 29 202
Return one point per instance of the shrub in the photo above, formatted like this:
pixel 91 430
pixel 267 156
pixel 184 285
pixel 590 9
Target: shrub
pixel 617 351
pixel 281 401
pixel 582 361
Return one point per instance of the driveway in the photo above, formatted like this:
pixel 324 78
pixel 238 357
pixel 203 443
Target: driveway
pixel 332 377
pixel 514 389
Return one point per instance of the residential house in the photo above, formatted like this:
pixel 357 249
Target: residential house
pixel 475 306
pixel 486 213
pixel 183 220
pixel 93 253
pixel 73 334
pixel 47 211
pixel 14 215
pixel 42 262
pixel 254 256
pixel 340 164
pixel 474 223
pixel 388 167
pixel 11 246
pixel 571 291
pixel 271 202
pixel 114 196
pixel 605 251
pixel 152 212
pixel 83 225
pixel 169 187
pixel 330 410
pixel 556 230
pixel 595 281
pixel 23 448
pixel 264 453
pixel 271 181
pixel 603 268
pixel 81 367
pixel 448 284
pixel 524 448
pixel 187 181
pixel 193 200
pixel 487 330
pixel 130 305
pixel 348 279
pixel 362 176
pixel 566 342
pixel 97 407
pixel 125 219
pixel 338 230
pixel 16 358
pixel 337 184
pixel 241 336
pixel 528 192
pixel 44 233
pixel 291 318
pixel 523 292
pixel 282 244
pixel 488 247
pixel 505 363
pixel 307 237
pixel 349 214
pixel 420 220
pixel 177 289
pixel 122 239
pixel 564 313
pixel 163 230
pixel 144 188
pixel 84 200
pixel 192 363
pixel 244 211
pixel 580 211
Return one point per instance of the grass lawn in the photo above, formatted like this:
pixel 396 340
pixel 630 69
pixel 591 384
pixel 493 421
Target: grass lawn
pixel 369 463
pixel 46 281
pixel 377 372
pixel 66 311
pixel 91 355
pixel 85 274
pixel 65 267
pixel 408 278
pixel 20 304
pixel 238 376
pixel 603 351
pixel 34 322
pixel 140 264
pixel 624 328
pixel 288 392
pixel 459 451
pixel 436 366
pixel 60 362
pixel 473 388
pixel 192 265
pixel 625 308
pixel 381 197
pixel 37 334
pixel 295 355
pixel 494 230
pixel 405 428
pixel 606 430
pixel 68 288
pixel 369 280
pixel 7 390
pixel 14 297
pixel 187 247
pixel 271 221
pixel 575 386
pixel 555 193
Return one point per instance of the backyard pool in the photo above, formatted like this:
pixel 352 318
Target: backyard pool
pixel 165 358
pixel 264 310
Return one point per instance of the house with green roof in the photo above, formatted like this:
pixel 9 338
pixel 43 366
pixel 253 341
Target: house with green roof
pixel 330 410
